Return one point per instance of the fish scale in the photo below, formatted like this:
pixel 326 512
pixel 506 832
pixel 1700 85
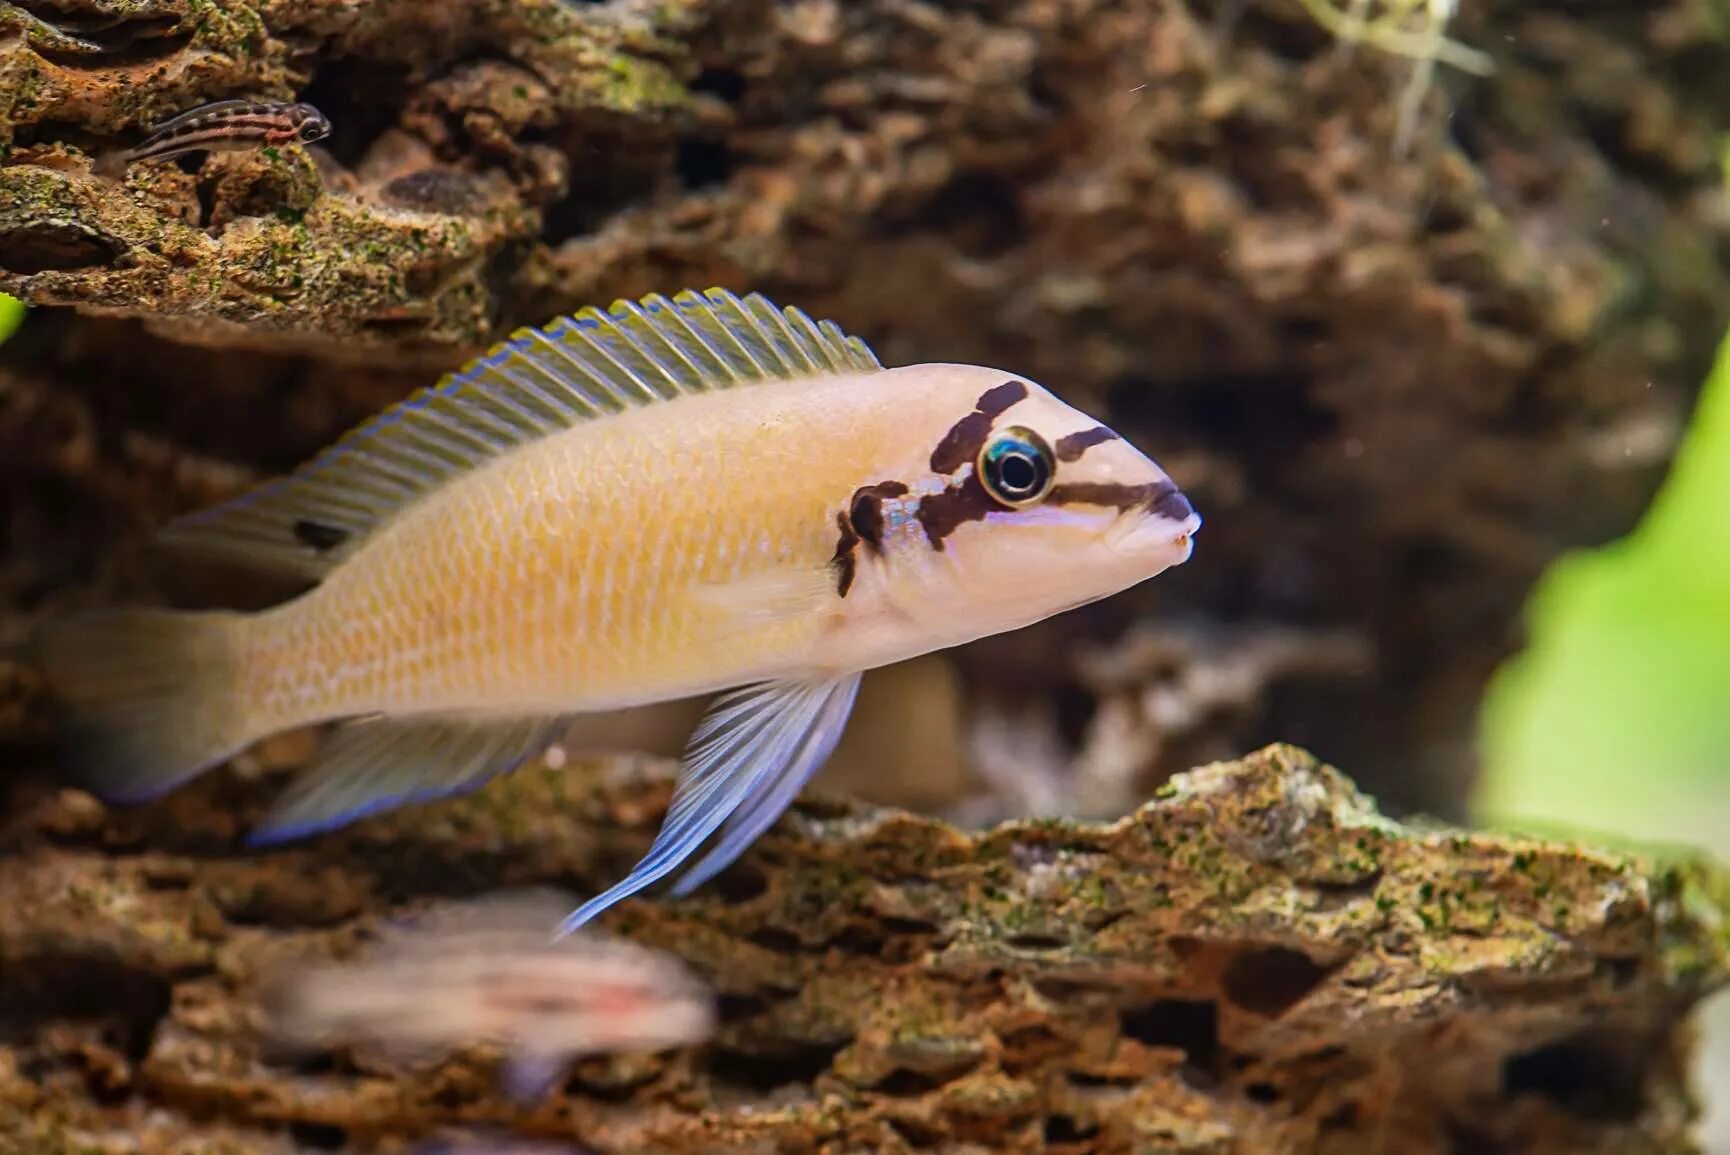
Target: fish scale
pixel 670 498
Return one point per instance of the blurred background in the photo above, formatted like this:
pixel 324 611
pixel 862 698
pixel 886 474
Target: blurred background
pixel 1614 723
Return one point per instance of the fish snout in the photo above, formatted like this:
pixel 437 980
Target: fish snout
pixel 1163 527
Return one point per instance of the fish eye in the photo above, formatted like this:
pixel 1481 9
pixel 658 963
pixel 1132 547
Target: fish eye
pixel 311 130
pixel 1017 467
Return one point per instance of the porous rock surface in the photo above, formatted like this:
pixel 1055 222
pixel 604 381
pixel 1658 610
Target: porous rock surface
pixel 1254 961
pixel 1395 389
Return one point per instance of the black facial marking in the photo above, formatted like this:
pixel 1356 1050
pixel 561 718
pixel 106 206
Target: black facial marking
pixel 1163 497
pixel 316 535
pixel 941 514
pixel 866 511
pixel 843 561
pixel 967 436
pixel 861 521
pixel 1071 448
pixel 1173 504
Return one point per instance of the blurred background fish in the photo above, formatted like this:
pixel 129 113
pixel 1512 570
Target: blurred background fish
pixel 487 972
pixel 493 1143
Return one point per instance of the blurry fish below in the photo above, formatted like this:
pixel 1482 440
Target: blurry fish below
pixel 488 1143
pixel 487 971
pixel 673 498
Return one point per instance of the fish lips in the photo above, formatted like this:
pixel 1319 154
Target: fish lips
pixel 1163 530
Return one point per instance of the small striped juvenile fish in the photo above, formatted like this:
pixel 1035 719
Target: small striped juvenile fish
pixel 226 126
pixel 660 501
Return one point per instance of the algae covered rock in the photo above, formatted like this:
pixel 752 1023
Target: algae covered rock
pixel 1254 961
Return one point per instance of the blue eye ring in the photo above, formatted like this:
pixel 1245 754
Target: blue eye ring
pixel 1017 467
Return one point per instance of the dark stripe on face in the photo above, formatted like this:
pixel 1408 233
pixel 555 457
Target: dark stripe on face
pixel 967 436
pixel 866 511
pixel 941 514
pixel 861 521
pixel 844 563
pixel 1071 448
pixel 1162 498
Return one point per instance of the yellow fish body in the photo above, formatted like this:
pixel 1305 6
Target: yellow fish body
pixel 666 499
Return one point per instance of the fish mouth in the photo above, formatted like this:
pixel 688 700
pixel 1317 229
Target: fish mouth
pixel 1163 525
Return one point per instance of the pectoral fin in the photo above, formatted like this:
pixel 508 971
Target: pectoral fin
pixel 754 749
pixel 380 764
pixel 769 595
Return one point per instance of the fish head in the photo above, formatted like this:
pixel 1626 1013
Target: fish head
pixel 1022 506
pixel 309 123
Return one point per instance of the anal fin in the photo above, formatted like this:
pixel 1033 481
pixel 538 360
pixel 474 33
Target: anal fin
pixel 747 760
pixel 376 765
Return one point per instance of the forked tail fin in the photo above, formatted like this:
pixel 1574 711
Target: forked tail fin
pixel 149 698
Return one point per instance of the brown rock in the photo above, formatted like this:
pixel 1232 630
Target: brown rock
pixel 1255 961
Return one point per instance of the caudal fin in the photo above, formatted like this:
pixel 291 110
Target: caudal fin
pixel 148 697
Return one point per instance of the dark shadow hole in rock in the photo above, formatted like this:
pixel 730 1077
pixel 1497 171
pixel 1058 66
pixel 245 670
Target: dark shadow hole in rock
pixel 67 132
pixel 1342 1118
pixel 362 99
pixel 763 1073
pixel 43 988
pixel 1336 893
pixel 1062 990
pixel 903 1083
pixel 739 883
pixel 860 939
pixel 1063 1129
pixel 1066 1129
pixel 1621 971
pixel 44 247
pixel 776 939
pixel 1084 1079
pixel 318 1136
pixel 1262 1093
pixel 1036 942
pixel 908 926
pixel 702 163
pixel 204 190
pixel 725 83
pixel 731 1009
pixel 1271 980
pixel 1596 1074
pixel 1029 1048
pixel 979 212
pixel 393 328
pixel 1190 1026
pixel 916 1134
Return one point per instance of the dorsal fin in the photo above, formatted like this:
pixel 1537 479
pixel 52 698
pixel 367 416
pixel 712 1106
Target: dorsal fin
pixel 538 382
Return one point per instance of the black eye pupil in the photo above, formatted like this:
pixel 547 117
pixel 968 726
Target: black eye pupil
pixel 1017 467
pixel 1017 473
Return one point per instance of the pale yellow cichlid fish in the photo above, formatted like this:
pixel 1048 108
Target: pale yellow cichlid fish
pixel 663 500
